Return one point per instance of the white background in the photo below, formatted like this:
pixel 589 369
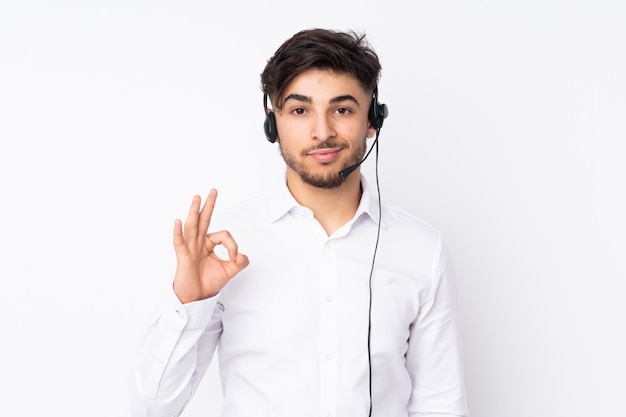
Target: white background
pixel 505 131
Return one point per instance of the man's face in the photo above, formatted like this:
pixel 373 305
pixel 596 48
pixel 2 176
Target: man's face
pixel 322 126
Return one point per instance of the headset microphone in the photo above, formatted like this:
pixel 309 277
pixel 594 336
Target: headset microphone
pixel 344 173
pixel 377 114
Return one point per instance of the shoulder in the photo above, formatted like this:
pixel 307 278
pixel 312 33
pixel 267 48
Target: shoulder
pixel 412 238
pixel 403 222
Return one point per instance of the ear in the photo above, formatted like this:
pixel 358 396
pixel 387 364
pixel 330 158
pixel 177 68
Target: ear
pixel 371 130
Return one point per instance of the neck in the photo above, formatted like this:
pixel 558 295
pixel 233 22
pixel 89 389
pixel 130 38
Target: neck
pixel 331 207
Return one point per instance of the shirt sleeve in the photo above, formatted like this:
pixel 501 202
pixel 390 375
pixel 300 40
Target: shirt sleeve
pixel 434 356
pixel 173 356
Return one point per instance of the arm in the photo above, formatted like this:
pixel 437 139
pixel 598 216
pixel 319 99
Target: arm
pixel 173 356
pixel 434 357
pixel 177 349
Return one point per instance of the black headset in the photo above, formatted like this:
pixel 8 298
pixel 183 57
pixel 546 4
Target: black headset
pixel 376 114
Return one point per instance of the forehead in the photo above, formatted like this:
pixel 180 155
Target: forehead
pixel 323 84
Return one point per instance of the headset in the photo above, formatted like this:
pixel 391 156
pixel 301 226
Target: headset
pixel 269 126
pixel 376 115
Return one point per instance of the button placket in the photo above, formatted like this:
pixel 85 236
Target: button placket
pixel 329 320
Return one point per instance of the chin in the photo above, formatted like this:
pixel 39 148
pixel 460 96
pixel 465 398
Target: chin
pixel 325 181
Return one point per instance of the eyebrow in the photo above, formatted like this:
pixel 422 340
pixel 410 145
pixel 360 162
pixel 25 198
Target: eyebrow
pixel 307 99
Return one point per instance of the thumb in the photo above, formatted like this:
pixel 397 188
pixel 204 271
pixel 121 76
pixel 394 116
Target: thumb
pixel 236 265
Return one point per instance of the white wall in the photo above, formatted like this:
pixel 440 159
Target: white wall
pixel 505 132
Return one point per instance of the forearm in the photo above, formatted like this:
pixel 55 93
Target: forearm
pixel 171 358
pixel 434 359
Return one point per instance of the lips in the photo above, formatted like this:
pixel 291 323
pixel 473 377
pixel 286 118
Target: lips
pixel 325 154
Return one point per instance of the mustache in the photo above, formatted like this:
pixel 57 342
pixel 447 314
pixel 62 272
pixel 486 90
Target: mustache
pixel 327 144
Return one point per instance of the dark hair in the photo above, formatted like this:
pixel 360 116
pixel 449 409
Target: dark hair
pixel 339 52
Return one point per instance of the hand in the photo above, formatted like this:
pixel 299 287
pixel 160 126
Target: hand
pixel 200 273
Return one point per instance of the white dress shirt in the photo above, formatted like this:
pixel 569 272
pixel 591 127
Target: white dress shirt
pixel 291 330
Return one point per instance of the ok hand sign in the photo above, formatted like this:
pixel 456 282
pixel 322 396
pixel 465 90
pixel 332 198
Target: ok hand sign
pixel 200 273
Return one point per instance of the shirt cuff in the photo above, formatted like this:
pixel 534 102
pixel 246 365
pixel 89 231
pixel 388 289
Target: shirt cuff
pixel 195 315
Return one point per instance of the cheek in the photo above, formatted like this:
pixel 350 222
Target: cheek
pixel 357 131
pixel 288 145
pixel 291 128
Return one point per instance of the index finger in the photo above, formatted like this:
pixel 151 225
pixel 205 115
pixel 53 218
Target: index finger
pixel 206 213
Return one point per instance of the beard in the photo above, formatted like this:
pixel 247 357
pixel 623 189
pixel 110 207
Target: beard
pixel 325 180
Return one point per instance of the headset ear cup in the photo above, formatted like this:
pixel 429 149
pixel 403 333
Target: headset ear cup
pixel 269 126
pixel 383 112
pixel 377 114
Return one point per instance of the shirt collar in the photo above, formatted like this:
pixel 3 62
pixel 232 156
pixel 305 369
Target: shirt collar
pixel 283 202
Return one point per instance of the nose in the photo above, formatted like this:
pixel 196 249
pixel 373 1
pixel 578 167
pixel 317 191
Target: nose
pixel 322 128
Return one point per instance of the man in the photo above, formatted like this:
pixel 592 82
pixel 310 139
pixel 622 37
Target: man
pixel 337 308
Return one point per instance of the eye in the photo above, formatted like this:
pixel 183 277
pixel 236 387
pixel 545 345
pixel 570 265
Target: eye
pixel 343 110
pixel 298 111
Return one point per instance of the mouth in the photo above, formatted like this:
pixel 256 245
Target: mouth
pixel 325 154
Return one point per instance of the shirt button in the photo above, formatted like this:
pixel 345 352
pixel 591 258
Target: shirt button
pixel 329 356
pixel 329 299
